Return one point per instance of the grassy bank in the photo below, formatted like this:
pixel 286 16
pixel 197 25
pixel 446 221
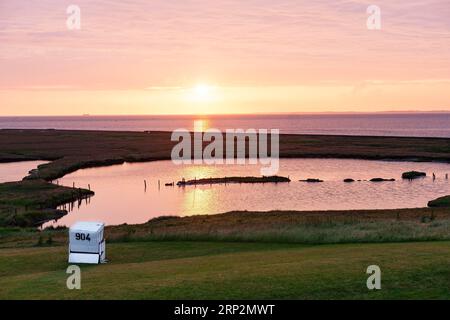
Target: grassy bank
pixel 302 227
pixel 307 227
pixel 221 270
pixel 72 150
pixel 442 202
pixel 30 203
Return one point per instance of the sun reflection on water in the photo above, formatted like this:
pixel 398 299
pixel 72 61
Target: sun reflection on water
pixel 201 125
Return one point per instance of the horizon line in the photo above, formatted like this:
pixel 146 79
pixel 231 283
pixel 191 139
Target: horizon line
pixel 232 114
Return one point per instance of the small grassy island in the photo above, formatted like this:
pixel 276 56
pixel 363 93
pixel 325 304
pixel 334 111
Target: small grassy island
pixel 413 175
pixel 381 179
pixel 311 180
pixel 263 179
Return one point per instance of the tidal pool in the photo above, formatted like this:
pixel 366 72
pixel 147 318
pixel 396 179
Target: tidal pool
pixel 121 197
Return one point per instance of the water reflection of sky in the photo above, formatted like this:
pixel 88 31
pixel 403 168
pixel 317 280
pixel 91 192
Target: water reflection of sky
pixel 16 171
pixel 121 196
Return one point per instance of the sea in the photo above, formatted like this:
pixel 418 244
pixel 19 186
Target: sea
pixel 413 124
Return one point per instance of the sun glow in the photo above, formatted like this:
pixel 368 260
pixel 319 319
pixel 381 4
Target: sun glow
pixel 203 92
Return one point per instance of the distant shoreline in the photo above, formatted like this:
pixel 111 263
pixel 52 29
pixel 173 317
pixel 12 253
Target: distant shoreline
pixel 70 150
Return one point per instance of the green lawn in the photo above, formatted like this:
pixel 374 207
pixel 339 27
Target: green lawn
pixel 232 270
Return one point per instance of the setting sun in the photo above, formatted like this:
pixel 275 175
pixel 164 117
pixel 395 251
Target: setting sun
pixel 203 92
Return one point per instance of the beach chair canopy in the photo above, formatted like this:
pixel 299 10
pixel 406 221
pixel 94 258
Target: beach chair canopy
pixel 86 242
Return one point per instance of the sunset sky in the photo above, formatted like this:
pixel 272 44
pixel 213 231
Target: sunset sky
pixel 223 56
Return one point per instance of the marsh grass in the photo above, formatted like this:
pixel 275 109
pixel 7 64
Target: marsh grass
pixel 313 233
pixel 296 227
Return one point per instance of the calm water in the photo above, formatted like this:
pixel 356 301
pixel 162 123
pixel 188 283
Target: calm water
pixel 16 171
pixel 121 197
pixel 380 124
